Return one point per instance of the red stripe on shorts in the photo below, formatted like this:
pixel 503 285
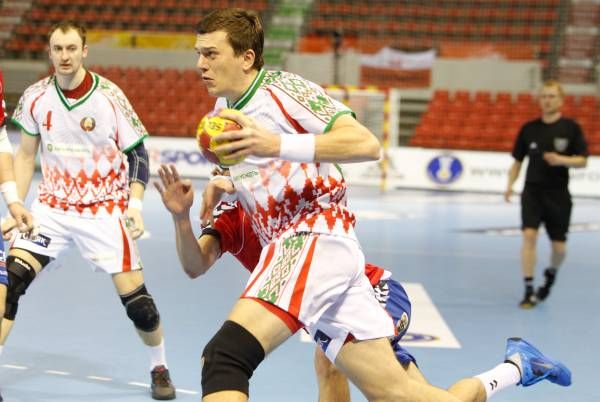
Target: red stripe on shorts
pixel 298 293
pixel 126 250
pixel 270 253
pixel 289 320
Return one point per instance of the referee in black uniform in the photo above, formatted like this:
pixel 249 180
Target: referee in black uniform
pixel 553 144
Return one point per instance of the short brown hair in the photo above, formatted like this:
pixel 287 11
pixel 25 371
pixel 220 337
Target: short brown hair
pixel 66 26
pixel 555 84
pixel 243 27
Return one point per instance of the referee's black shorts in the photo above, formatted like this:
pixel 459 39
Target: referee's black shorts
pixel 549 205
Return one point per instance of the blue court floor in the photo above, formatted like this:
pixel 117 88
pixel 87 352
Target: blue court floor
pixel 73 342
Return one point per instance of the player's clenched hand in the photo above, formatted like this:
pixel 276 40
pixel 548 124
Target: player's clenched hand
pixel 211 196
pixel 177 195
pixel 134 222
pixel 252 139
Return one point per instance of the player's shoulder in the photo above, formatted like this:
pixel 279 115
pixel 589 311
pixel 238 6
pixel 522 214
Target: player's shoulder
pixel 106 86
pixel 532 124
pixel 569 121
pixel 293 90
pixel 288 81
pixel 38 87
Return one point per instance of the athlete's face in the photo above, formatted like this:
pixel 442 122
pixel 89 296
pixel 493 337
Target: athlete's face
pixel 67 52
pixel 550 100
pixel 222 71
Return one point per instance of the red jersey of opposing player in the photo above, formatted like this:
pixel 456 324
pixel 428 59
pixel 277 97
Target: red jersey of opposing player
pixel 238 238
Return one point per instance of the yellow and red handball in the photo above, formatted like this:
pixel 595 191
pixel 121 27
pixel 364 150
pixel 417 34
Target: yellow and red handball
pixel 210 126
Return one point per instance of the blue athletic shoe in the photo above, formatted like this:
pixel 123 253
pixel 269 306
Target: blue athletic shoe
pixel 534 366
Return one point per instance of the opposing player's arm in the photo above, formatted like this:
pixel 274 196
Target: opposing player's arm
pixel 25 162
pixel 196 255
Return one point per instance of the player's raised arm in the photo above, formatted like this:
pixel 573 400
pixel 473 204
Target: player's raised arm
pixel 196 255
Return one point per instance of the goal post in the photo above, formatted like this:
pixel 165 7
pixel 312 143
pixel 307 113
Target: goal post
pixel 378 109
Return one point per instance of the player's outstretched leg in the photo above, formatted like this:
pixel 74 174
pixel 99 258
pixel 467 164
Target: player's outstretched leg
pixel 534 365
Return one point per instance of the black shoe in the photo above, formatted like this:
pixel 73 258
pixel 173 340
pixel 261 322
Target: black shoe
pixel 529 300
pixel 544 291
pixel 162 387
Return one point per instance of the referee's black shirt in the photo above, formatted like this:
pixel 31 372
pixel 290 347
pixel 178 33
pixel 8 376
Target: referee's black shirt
pixel 536 137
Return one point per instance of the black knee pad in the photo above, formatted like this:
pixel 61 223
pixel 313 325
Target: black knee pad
pixel 20 276
pixel 141 309
pixel 229 359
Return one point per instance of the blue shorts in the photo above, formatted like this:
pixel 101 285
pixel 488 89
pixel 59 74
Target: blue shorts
pixel 3 273
pixel 392 296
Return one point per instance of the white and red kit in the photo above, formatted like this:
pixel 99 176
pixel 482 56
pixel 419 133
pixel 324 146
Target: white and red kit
pixel 237 238
pixel 84 189
pixel 311 265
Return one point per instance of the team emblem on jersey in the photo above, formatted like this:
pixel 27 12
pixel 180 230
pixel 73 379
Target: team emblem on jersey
pixel 87 124
pixel 560 144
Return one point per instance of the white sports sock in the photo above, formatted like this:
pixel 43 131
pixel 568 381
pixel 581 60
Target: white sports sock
pixel 1 349
pixel 157 355
pixel 502 376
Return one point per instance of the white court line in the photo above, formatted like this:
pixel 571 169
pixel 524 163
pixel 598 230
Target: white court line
pixel 56 372
pixel 15 367
pixel 97 378
pixel 185 391
pixel 139 384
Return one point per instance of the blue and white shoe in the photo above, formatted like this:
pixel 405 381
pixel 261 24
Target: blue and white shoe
pixel 534 366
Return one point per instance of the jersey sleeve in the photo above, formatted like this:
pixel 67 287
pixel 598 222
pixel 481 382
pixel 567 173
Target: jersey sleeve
pixel 23 116
pixel 130 130
pixel 580 144
pixel 520 148
pixel 306 104
pixel 228 224
pixel 2 103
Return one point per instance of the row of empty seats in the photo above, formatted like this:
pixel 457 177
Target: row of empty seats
pixel 29 37
pixel 521 29
pixel 484 121
pixel 169 102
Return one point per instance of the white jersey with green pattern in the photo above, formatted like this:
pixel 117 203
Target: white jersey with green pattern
pixel 283 197
pixel 85 171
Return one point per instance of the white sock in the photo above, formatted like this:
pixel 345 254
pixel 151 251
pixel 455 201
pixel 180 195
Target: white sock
pixel 502 376
pixel 157 355
pixel 1 349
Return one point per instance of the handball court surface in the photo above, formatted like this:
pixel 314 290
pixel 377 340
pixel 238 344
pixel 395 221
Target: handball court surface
pixel 458 255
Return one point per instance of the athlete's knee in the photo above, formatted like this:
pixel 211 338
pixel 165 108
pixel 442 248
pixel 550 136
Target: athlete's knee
pixel 20 276
pixel 229 359
pixel 141 309
pixel 530 237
